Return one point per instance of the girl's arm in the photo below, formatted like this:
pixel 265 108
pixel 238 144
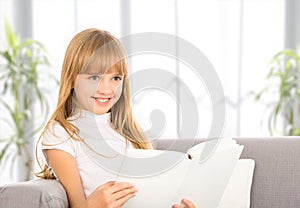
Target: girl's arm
pixel 106 195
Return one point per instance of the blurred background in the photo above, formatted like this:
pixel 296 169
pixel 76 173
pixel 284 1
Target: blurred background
pixel 239 37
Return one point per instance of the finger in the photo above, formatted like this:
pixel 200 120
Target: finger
pixel 107 184
pixel 124 192
pixel 177 206
pixel 120 186
pixel 188 203
pixel 121 201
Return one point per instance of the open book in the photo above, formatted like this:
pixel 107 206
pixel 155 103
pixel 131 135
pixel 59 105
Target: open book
pixel 165 177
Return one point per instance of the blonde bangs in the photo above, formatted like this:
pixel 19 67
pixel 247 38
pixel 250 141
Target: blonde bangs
pixel 110 56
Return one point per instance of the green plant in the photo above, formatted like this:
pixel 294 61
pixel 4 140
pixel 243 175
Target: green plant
pixel 19 76
pixel 283 84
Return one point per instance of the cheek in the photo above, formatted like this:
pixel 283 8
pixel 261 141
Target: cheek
pixel 83 91
pixel 86 88
pixel 118 91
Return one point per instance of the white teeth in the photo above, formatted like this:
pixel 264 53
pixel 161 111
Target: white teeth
pixel 103 100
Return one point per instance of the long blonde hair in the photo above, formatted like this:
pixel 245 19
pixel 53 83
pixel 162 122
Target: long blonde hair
pixel 90 46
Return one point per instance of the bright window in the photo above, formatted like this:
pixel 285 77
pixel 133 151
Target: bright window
pixel 239 37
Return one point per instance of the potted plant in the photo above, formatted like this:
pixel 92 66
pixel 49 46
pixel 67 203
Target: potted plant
pixel 283 84
pixel 21 63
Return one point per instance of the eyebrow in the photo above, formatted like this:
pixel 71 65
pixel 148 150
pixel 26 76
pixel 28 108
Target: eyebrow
pixel 97 74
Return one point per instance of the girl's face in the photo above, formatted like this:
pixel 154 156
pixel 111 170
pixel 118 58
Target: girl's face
pixel 97 93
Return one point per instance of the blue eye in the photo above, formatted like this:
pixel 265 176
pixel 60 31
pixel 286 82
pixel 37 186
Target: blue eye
pixel 117 78
pixel 94 77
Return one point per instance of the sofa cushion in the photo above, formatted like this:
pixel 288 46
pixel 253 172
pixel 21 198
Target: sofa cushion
pixel 40 193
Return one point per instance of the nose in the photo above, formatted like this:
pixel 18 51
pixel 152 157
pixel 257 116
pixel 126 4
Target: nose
pixel 104 86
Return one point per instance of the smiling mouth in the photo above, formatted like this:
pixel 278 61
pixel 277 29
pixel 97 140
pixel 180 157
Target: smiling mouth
pixel 102 100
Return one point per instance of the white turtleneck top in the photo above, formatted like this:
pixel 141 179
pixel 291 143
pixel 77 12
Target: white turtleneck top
pixel 101 141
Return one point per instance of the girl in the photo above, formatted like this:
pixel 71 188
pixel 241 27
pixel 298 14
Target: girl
pixel 93 98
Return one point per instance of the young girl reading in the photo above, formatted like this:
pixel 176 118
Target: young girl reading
pixel 93 97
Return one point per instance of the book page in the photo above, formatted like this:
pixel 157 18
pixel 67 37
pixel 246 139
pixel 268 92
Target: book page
pixel 170 175
pixel 205 182
pixel 158 187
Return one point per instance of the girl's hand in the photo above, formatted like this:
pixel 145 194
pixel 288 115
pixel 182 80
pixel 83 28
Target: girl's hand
pixel 108 195
pixel 111 195
pixel 185 203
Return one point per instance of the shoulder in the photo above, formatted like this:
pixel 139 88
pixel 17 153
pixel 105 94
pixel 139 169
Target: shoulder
pixel 56 129
pixel 56 137
pixel 55 132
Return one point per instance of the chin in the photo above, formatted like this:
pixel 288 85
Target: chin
pixel 99 112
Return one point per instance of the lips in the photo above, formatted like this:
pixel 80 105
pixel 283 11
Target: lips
pixel 102 101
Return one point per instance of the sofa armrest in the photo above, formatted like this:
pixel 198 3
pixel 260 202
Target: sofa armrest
pixel 40 193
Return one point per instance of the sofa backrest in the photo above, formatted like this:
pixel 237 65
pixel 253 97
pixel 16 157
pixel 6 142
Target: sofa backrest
pixel 276 180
